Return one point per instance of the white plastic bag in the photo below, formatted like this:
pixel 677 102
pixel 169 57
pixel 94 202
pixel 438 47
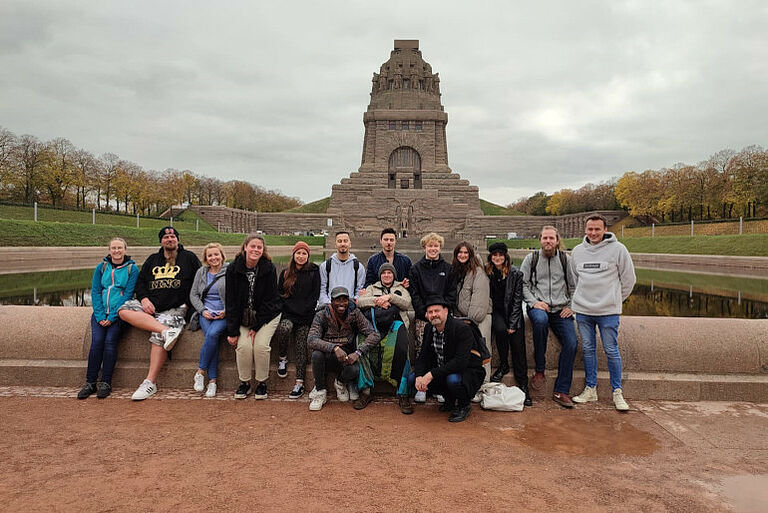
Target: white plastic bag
pixel 500 397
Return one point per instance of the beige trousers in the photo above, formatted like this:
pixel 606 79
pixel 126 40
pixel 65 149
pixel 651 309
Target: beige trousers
pixel 254 354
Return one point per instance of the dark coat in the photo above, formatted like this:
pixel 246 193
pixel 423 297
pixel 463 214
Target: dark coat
pixel 167 287
pixel 459 341
pixel 401 262
pixel 266 301
pixel 431 278
pixel 299 306
pixel 512 309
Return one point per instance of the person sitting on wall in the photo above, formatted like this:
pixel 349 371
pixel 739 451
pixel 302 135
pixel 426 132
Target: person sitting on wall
pixel 342 269
pixel 402 263
pixel 333 340
pixel 448 363
pixel 162 293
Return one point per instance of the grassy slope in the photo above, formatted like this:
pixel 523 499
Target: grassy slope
pixel 316 207
pixel 492 209
pixel 185 222
pixel 29 233
pixel 742 245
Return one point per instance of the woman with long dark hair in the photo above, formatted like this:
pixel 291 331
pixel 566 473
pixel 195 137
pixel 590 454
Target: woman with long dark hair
pixel 253 313
pixel 507 317
pixel 299 288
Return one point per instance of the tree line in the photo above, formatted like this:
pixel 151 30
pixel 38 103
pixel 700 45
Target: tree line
pixel 59 174
pixel 728 184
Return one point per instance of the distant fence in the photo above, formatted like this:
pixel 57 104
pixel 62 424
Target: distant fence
pixel 719 227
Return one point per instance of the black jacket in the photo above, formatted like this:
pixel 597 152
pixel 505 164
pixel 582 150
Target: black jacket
pixel 456 351
pixel 167 286
pixel 266 301
pixel 512 309
pixel 431 278
pixel 299 306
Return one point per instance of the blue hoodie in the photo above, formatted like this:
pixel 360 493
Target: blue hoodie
pixel 112 286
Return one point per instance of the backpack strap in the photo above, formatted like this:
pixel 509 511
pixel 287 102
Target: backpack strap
pixel 532 277
pixel 564 263
pixel 356 265
pixel 327 275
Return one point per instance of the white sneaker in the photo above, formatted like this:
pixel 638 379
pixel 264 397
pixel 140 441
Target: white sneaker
pixel 341 391
pixel 354 395
pixel 146 390
pixel 440 398
pixel 170 336
pixel 211 390
pixel 319 397
pixel 199 382
pixel 420 397
pixel 588 395
pixel 618 400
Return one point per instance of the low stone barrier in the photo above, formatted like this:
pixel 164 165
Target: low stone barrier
pixel 665 358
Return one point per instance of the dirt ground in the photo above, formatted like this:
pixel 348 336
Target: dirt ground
pixel 60 454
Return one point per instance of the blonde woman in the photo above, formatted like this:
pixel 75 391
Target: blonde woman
pixel 208 299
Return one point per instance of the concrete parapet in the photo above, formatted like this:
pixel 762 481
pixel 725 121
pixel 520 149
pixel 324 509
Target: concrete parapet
pixel 664 357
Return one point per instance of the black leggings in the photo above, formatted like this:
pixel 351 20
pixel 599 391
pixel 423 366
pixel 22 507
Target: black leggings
pixel 516 343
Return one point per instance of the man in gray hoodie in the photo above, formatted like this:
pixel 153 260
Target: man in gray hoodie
pixel 548 284
pixel 605 276
pixel 341 270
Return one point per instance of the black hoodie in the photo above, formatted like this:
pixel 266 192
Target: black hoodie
pixel 167 286
pixel 299 306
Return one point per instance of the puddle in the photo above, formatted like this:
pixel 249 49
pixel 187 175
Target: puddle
pixel 597 436
pixel 747 493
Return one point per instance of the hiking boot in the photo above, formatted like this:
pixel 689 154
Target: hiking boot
pixel 460 413
pixel 319 397
pixel 298 391
pixel 537 381
pixel 282 368
pixel 562 399
pixel 528 401
pixel 199 382
pixel 146 390
pixel 497 376
pixel 243 390
pixel 588 395
pixel 261 391
pixel 353 393
pixel 341 391
pixel 170 336
pixel 103 389
pixel 405 404
pixel 618 400
pixel 421 397
pixel 87 390
pixel 363 399
pixel 210 391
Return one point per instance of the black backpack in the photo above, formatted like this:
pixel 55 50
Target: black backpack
pixel 479 348
pixel 535 260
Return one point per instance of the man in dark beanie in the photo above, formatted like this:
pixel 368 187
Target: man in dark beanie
pixel 162 293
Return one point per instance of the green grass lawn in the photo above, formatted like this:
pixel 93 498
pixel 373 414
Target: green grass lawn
pixel 734 245
pixel 316 207
pixel 185 222
pixel 492 209
pixel 30 233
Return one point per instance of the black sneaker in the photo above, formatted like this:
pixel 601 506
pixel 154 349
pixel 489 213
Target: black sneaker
pixel 103 390
pixel 298 391
pixel 243 390
pixel 282 368
pixel 261 391
pixel 86 391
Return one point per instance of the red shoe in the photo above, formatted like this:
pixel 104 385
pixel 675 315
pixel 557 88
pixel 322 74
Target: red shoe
pixel 537 381
pixel 562 399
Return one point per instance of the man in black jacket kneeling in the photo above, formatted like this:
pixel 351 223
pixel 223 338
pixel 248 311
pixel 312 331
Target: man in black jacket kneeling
pixel 448 363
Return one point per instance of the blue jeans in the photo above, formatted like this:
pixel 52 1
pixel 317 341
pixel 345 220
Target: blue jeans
pixel 451 388
pixel 103 350
pixel 209 353
pixel 609 334
pixel 565 331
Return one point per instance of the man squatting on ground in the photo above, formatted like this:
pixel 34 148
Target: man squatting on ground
pixel 388 240
pixel 548 284
pixel 162 292
pixel 605 277
pixel 447 364
pixel 342 269
pixel 333 340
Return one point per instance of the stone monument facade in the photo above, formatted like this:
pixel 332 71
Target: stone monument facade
pixel 404 180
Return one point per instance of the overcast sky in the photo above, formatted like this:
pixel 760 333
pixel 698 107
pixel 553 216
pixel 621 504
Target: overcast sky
pixel 539 97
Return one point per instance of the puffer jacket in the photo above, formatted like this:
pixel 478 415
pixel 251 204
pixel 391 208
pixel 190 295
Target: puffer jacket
pixel 325 333
pixel 474 296
pixel 399 297
pixel 112 285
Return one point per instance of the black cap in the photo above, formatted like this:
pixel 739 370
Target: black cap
pixel 498 247
pixel 436 300
pixel 165 230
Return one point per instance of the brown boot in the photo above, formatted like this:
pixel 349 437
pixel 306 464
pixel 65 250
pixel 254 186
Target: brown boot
pixel 362 401
pixel 562 399
pixel 537 381
pixel 406 407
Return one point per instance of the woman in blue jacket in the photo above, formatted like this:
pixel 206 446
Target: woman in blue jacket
pixel 113 282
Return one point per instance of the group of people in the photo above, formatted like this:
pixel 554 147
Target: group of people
pixel 426 327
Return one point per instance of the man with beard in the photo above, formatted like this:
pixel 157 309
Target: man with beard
pixel 342 269
pixel 548 284
pixel 333 340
